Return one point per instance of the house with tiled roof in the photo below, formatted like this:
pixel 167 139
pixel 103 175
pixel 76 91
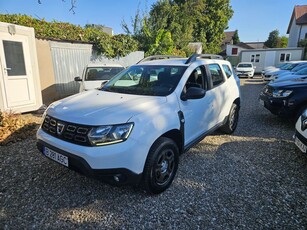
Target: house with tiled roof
pixel 297 28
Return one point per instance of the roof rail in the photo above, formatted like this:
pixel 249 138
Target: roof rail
pixel 203 56
pixel 157 57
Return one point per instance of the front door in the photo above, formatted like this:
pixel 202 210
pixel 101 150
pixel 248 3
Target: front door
pixel 17 79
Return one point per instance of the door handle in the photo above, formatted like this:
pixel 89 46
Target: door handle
pixel 7 68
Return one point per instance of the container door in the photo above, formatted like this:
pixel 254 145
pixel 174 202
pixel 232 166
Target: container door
pixel 17 79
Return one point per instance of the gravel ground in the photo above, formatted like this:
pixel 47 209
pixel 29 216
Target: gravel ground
pixel 253 179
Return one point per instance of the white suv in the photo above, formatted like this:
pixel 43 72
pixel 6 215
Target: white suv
pixel 134 128
pixel 95 74
pixel 245 69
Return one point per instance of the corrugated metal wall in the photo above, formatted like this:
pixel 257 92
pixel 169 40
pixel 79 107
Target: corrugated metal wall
pixel 69 61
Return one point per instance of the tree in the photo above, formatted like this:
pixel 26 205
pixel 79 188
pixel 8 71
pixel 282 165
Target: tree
pixel 236 38
pixel 282 42
pixel 275 41
pixel 272 39
pixel 182 22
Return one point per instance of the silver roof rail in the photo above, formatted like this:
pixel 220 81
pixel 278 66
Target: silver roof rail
pixel 203 56
pixel 158 57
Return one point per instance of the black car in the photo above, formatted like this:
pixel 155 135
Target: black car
pixel 286 99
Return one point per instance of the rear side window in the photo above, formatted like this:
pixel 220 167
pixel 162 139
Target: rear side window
pixel 227 71
pixel 216 74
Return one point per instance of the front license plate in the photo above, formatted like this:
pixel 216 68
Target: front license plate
pixel 56 156
pixel 300 145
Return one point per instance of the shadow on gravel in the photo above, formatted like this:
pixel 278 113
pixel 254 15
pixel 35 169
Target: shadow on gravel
pixel 245 184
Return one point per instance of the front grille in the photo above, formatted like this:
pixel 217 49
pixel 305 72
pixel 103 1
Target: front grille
pixel 267 76
pixel 268 90
pixel 71 132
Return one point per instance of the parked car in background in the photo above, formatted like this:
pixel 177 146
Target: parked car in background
pixel 273 68
pixel 293 71
pixel 300 136
pixel 285 99
pixel 301 74
pixel 133 129
pixel 94 74
pixel 271 75
pixel 245 69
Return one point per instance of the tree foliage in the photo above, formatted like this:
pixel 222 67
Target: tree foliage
pixel 236 38
pixel 275 41
pixel 172 24
pixel 109 46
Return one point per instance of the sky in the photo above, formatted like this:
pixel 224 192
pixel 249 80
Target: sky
pixel 254 19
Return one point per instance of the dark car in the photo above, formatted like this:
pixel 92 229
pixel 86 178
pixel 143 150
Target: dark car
pixel 286 99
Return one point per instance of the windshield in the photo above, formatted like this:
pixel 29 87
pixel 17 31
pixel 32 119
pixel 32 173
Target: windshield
pixel 289 66
pixel 302 71
pixel 245 65
pixel 146 80
pixel 101 73
pixel 299 67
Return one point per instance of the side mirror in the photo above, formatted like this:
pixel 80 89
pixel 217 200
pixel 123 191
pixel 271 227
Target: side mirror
pixel 193 93
pixel 254 67
pixel 102 84
pixel 77 79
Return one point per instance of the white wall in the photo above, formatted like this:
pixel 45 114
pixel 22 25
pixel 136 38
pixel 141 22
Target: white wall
pixel 229 50
pixel 297 33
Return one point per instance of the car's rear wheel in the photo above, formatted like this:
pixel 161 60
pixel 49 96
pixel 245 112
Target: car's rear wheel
pixel 161 166
pixel 232 120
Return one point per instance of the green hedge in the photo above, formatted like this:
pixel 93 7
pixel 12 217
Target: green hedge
pixel 109 46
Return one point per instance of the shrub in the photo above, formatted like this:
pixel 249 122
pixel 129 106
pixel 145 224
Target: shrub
pixel 14 127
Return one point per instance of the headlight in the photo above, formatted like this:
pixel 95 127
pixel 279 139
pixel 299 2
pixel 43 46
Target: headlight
pixel 281 93
pixel 304 115
pixel 110 134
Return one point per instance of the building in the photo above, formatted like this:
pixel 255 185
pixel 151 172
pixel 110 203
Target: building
pixel 262 58
pixel 297 28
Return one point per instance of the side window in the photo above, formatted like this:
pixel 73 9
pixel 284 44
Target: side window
pixel 197 78
pixel 227 70
pixel 216 74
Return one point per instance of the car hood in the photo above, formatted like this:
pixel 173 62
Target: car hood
pixel 97 107
pixel 290 84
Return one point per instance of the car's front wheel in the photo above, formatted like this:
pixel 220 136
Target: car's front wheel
pixel 232 120
pixel 161 166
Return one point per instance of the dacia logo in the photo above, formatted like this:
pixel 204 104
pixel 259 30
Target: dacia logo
pixel 60 128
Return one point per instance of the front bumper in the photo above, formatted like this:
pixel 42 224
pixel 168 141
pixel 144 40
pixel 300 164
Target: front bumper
pixel 245 74
pixel 278 106
pixel 117 164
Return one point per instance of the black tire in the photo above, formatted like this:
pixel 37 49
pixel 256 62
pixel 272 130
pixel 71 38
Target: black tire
pixel 232 120
pixel 161 166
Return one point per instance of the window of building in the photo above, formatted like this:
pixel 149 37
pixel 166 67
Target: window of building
pixel 255 58
pixel 284 57
pixel 234 51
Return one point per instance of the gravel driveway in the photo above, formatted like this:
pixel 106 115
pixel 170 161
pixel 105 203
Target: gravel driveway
pixel 253 179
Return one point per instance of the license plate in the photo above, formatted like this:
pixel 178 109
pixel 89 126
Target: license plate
pixel 300 145
pixel 261 102
pixel 56 156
